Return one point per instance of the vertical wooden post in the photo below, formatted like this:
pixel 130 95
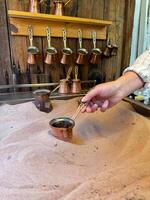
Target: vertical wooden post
pixel 5 55
pixel 128 28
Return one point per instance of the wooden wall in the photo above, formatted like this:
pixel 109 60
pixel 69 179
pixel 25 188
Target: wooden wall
pixel 14 48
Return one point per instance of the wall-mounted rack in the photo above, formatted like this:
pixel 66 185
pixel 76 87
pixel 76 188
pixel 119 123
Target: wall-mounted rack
pixel 20 20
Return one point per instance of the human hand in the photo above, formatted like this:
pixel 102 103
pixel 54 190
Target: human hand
pixel 102 97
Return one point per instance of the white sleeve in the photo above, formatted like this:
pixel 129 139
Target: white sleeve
pixel 141 67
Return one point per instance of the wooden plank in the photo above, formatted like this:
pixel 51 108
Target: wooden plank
pixel 128 28
pixel 114 9
pixel 101 9
pixel 19 45
pixel 20 26
pixel 56 18
pixel 57 70
pixel 91 9
pixel 5 61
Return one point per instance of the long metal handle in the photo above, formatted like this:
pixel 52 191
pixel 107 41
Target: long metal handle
pixel 67 2
pixel 76 72
pixel 108 40
pixel 56 88
pixel 48 32
pixel 80 38
pixel 94 39
pixel 65 38
pixel 80 107
pixel 69 73
pixel 30 32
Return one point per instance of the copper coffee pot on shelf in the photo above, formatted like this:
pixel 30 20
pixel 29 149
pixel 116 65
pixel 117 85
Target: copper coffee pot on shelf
pixel 82 52
pixel 51 51
pixel 96 52
pixel 34 6
pixel 59 7
pixel 64 86
pixel 64 83
pixel 32 50
pixel 67 52
pixel 76 83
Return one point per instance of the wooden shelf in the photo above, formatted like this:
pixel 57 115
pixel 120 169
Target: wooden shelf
pixel 139 106
pixel 20 20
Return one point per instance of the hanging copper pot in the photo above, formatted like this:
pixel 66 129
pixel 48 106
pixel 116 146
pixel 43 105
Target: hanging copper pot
pixel 82 52
pixel 96 52
pixel 32 50
pixel 108 49
pixel 114 50
pixel 66 59
pixel 51 51
pixel 66 52
pixel 31 59
pixel 50 59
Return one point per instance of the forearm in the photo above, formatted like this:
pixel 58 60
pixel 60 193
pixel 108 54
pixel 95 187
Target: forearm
pixel 128 83
pixel 141 66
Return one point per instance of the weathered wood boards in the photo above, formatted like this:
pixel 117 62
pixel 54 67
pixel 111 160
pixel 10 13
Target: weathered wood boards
pixel 119 11
pixel 5 63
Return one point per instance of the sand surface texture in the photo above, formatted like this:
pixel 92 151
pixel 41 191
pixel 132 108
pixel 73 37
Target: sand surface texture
pixel 109 157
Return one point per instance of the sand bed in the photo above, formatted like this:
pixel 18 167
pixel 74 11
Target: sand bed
pixel 109 157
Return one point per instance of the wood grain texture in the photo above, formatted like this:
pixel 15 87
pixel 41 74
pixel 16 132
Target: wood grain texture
pixel 55 18
pixel 5 62
pixel 128 24
pixel 92 9
pixel 119 11
pixel 114 9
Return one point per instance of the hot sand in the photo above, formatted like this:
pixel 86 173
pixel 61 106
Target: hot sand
pixel 109 157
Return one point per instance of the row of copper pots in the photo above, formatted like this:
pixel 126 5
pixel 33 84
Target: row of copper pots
pixel 64 87
pixel 59 6
pixel 51 52
pixel 66 59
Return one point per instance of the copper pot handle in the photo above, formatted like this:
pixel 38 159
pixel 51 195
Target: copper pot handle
pixel 76 72
pixel 94 39
pixel 65 38
pixel 48 33
pixel 56 88
pixel 80 38
pixel 30 32
pixel 80 107
pixel 69 73
pixel 67 2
